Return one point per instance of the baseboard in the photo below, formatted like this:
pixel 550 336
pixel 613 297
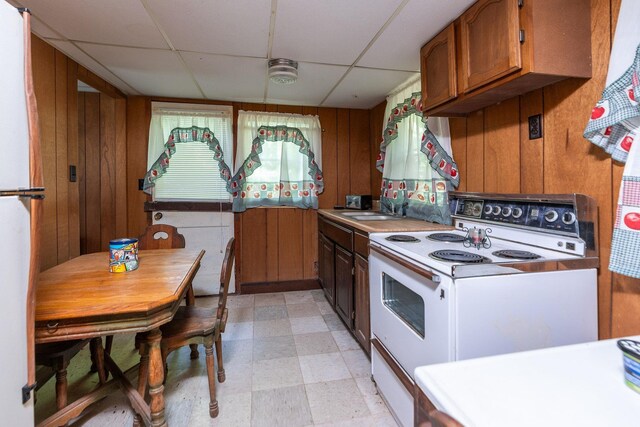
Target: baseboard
pixel 291 285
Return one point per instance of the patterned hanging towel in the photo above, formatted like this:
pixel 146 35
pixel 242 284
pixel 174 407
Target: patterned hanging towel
pixel 614 125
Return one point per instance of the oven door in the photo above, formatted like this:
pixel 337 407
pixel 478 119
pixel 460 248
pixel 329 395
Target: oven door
pixel 412 310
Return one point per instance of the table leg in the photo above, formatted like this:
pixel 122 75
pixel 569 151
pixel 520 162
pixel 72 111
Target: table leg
pixel 143 377
pixel 156 378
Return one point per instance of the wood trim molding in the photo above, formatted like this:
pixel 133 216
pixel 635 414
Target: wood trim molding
pixel 400 373
pixel 266 287
pixel 187 206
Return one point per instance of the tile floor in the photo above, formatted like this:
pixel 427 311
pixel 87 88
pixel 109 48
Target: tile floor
pixel 289 361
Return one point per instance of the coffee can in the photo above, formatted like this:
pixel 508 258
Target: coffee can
pixel 123 255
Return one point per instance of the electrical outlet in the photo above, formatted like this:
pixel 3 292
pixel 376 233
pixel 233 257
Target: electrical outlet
pixel 315 266
pixel 535 126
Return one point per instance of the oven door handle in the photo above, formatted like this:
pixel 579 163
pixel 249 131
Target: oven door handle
pixel 395 258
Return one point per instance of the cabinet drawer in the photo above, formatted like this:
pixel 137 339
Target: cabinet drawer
pixel 361 244
pixel 339 234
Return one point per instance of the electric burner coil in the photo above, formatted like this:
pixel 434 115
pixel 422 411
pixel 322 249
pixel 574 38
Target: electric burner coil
pixel 459 256
pixel 446 237
pixel 402 238
pixel 516 254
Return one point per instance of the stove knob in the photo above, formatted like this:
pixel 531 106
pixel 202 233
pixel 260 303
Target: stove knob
pixel 517 213
pixel 569 218
pixel 496 210
pixel 506 211
pixel 551 216
pixel 487 209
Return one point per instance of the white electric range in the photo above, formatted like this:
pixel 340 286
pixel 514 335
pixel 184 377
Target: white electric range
pixel 517 273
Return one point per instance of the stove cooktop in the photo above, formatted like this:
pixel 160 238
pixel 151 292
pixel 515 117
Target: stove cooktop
pixel 507 254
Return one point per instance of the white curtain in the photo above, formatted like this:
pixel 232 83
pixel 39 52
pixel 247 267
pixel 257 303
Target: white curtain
pixel 415 159
pixel 403 157
pixel 166 116
pixel 278 161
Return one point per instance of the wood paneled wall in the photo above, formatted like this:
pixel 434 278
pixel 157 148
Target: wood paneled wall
pixel 273 244
pixel 55 78
pixel 494 154
pixel 55 83
pixel 102 161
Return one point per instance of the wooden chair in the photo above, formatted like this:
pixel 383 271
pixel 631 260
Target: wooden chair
pixel 202 325
pixel 441 419
pixel 54 359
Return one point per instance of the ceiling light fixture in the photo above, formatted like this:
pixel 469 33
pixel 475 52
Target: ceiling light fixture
pixel 283 71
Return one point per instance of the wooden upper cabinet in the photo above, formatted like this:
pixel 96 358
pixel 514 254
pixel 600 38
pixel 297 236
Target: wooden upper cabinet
pixel 490 42
pixel 505 48
pixel 438 69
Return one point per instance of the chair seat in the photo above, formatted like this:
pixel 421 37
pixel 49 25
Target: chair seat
pixel 45 353
pixel 190 321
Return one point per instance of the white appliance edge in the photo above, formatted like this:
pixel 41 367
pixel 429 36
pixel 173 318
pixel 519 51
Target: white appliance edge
pixel 14 221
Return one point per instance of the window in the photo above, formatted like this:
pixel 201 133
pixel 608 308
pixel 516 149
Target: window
pixel 278 161
pixel 189 145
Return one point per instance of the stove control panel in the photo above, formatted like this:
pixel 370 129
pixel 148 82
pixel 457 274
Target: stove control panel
pixel 526 214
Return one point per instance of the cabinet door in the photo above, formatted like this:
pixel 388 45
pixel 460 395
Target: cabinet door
pixel 490 42
pixel 362 321
pixel 344 285
pixel 326 269
pixel 438 69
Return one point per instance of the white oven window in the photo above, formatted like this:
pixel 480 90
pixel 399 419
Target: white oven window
pixel 404 303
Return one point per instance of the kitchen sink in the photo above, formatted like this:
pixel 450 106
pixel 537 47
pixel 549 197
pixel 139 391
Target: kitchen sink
pixel 361 213
pixel 376 217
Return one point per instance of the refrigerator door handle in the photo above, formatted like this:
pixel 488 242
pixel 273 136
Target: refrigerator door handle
pixel 33 192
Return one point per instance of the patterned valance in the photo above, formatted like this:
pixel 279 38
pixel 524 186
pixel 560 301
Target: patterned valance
pixel 249 193
pixel 178 135
pixel 438 157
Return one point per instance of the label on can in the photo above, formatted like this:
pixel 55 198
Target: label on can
pixel 123 255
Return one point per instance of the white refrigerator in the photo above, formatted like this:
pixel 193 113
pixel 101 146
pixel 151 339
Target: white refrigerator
pixel 17 200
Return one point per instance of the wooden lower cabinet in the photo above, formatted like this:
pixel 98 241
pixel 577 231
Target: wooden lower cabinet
pixel 344 285
pixel 326 249
pixel 344 276
pixel 363 319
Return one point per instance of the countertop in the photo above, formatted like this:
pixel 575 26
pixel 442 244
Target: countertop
pixel 576 385
pixel 396 225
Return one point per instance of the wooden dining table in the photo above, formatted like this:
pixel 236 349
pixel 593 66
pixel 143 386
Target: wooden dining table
pixel 81 299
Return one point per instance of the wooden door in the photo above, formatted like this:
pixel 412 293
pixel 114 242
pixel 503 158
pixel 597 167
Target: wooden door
pixel 362 320
pixel 490 42
pixel 438 69
pixel 344 285
pixel 326 269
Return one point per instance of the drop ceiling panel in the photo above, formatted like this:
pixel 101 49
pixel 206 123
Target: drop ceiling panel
pixel 366 88
pixel 313 84
pixel 42 30
pixel 227 77
pixel 149 71
pixel 398 47
pixel 89 63
pixel 238 27
pixel 329 31
pixel 120 22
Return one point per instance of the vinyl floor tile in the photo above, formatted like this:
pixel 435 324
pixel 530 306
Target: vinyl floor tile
pixel 286 406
